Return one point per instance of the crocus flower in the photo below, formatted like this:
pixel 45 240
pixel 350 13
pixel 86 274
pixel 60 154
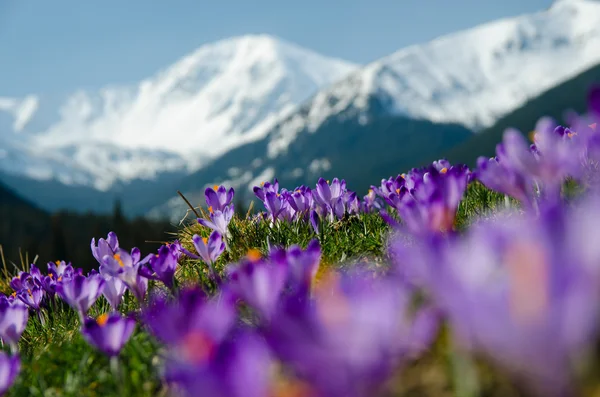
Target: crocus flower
pixel 192 314
pixel 266 187
pixel 302 267
pixel 522 290
pixel 13 319
pixel 32 297
pixel 27 280
pixel 208 249
pixel 218 197
pixel 60 269
pixel 369 202
pixel 554 158
pixel 237 367
pixel 329 199
pixel 219 221
pixel 10 366
pixel 109 332
pixel 81 292
pixel 162 265
pixel 113 290
pixel 258 282
pixel 106 247
pixel 204 352
pixel 126 267
pixel 301 201
pixel 350 339
pixel 500 177
pixel 432 205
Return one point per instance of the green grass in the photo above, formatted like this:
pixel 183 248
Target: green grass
pixel 56 361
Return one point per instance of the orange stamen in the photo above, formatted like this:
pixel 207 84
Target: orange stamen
pixel 102 319
pixel 443 170
pixel 216 187
pixel 210 209
pixel 118 259
pixel 253 254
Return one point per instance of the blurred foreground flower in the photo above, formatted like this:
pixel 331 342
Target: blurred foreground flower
pixel 9 369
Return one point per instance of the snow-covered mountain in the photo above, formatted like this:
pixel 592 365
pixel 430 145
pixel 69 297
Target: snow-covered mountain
pixel 221 96
pixel 472 77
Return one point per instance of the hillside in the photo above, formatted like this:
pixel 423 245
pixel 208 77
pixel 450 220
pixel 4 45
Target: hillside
pixel 570 95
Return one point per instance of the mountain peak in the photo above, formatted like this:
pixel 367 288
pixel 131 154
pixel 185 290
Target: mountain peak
pixel 219 96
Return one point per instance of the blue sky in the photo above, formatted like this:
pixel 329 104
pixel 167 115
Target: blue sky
pixel 58 46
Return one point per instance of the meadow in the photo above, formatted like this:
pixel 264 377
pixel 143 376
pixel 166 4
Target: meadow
pixel 442 281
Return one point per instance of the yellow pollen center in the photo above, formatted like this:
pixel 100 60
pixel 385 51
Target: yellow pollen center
pixel 205 240
pixel 210 209
pixel 118 259
pixel 14 294
pixel 398 191
pixel 532 135
pixel 29 292
pixel 50 275
pixel 262 184
pixel 57 263
pixel 327 181
pixel 403 176
pixel 59 279
pixel 444 170
pixel 253 254
pixel 216 187
pixel 102 319
pixel 370 191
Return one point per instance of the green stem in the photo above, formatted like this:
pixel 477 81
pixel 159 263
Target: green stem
pixel 464 374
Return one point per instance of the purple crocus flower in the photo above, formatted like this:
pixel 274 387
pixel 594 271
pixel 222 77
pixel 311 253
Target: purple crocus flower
pixel 238 367
pixel 302 267
pixel 60 269
pixel 266 187
pixel 106 247
pixel 522 290
pixel 204 352
pixel 258 282
pixel 27 280
pixel 352 336
pixel 81 292
pixel 109 332
pixel 218 197
pixel 301 201
pixel 431 206
pixel 499 176
pixel 554 157
pixel 261 281
pixel 126 267
pixel 219 221
pixel 192 314
pixel 10 366
pixel 113 290
pixel 329 199
pixel 32 297
pixel 208 249
pixel 13 319
pixel 162 266
pixel 369 202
